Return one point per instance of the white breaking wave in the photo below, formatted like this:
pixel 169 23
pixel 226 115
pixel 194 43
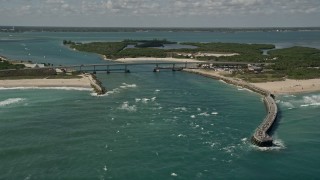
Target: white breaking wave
pixel 313 100
pixel 306 101
pixel 278 145
pixel 10 101
pixel 204 114
pixel 180 109
pixel 174 174
pixel 214 113
pixel 127 107
pixel 114 91
pixel 145 100
pixel 286 104
pixel 125 86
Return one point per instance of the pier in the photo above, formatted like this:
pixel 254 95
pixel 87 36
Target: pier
pixel 260 137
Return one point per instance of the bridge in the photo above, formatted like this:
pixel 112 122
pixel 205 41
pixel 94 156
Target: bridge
pixel 124 67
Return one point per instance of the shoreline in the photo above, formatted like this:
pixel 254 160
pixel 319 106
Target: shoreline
pixel 289 86
pixel 83 82
pixel 228 80
pixel 86 82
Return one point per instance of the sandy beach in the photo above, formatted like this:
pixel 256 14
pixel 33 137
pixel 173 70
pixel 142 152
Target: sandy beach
pixel 83 82
pixel 139 59
pixel 288 86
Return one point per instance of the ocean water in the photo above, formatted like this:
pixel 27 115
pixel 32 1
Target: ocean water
pixel 167 125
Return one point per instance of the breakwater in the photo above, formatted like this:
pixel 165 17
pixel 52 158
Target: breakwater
pixel 260 137
pixel 96 84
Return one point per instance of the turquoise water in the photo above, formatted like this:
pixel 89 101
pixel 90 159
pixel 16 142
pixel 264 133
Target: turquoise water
pixel 168 125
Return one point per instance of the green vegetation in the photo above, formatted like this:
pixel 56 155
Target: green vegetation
pixel 295 62
pixel 247 52
pixel 149 43
pixel 109 49
pixel 144 48
pixel 7 65
pixel 65 42
pixel 261 77
pixel 114 50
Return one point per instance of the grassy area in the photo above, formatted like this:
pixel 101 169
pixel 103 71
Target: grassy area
pixel 7 65
pixel 297 62
pixel 262 77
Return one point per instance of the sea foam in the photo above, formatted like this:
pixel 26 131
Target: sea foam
pixel 278 145
pixel 127 107
pixel 125 86
pixel 313 100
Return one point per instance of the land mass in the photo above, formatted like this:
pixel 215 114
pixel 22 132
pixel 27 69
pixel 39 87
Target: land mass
pixel 18 75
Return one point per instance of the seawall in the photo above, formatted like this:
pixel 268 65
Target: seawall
pixel 260 137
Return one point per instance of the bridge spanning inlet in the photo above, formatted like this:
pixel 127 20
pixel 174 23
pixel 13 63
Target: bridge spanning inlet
pixel 124 67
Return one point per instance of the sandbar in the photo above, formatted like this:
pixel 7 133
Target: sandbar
pixel 83 82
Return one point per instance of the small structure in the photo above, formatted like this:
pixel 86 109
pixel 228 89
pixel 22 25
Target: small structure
pixel 34 65
pixel 254 68
pixel 60 71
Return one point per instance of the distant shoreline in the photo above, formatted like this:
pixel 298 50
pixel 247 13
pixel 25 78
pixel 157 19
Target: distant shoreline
pixel 6 28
